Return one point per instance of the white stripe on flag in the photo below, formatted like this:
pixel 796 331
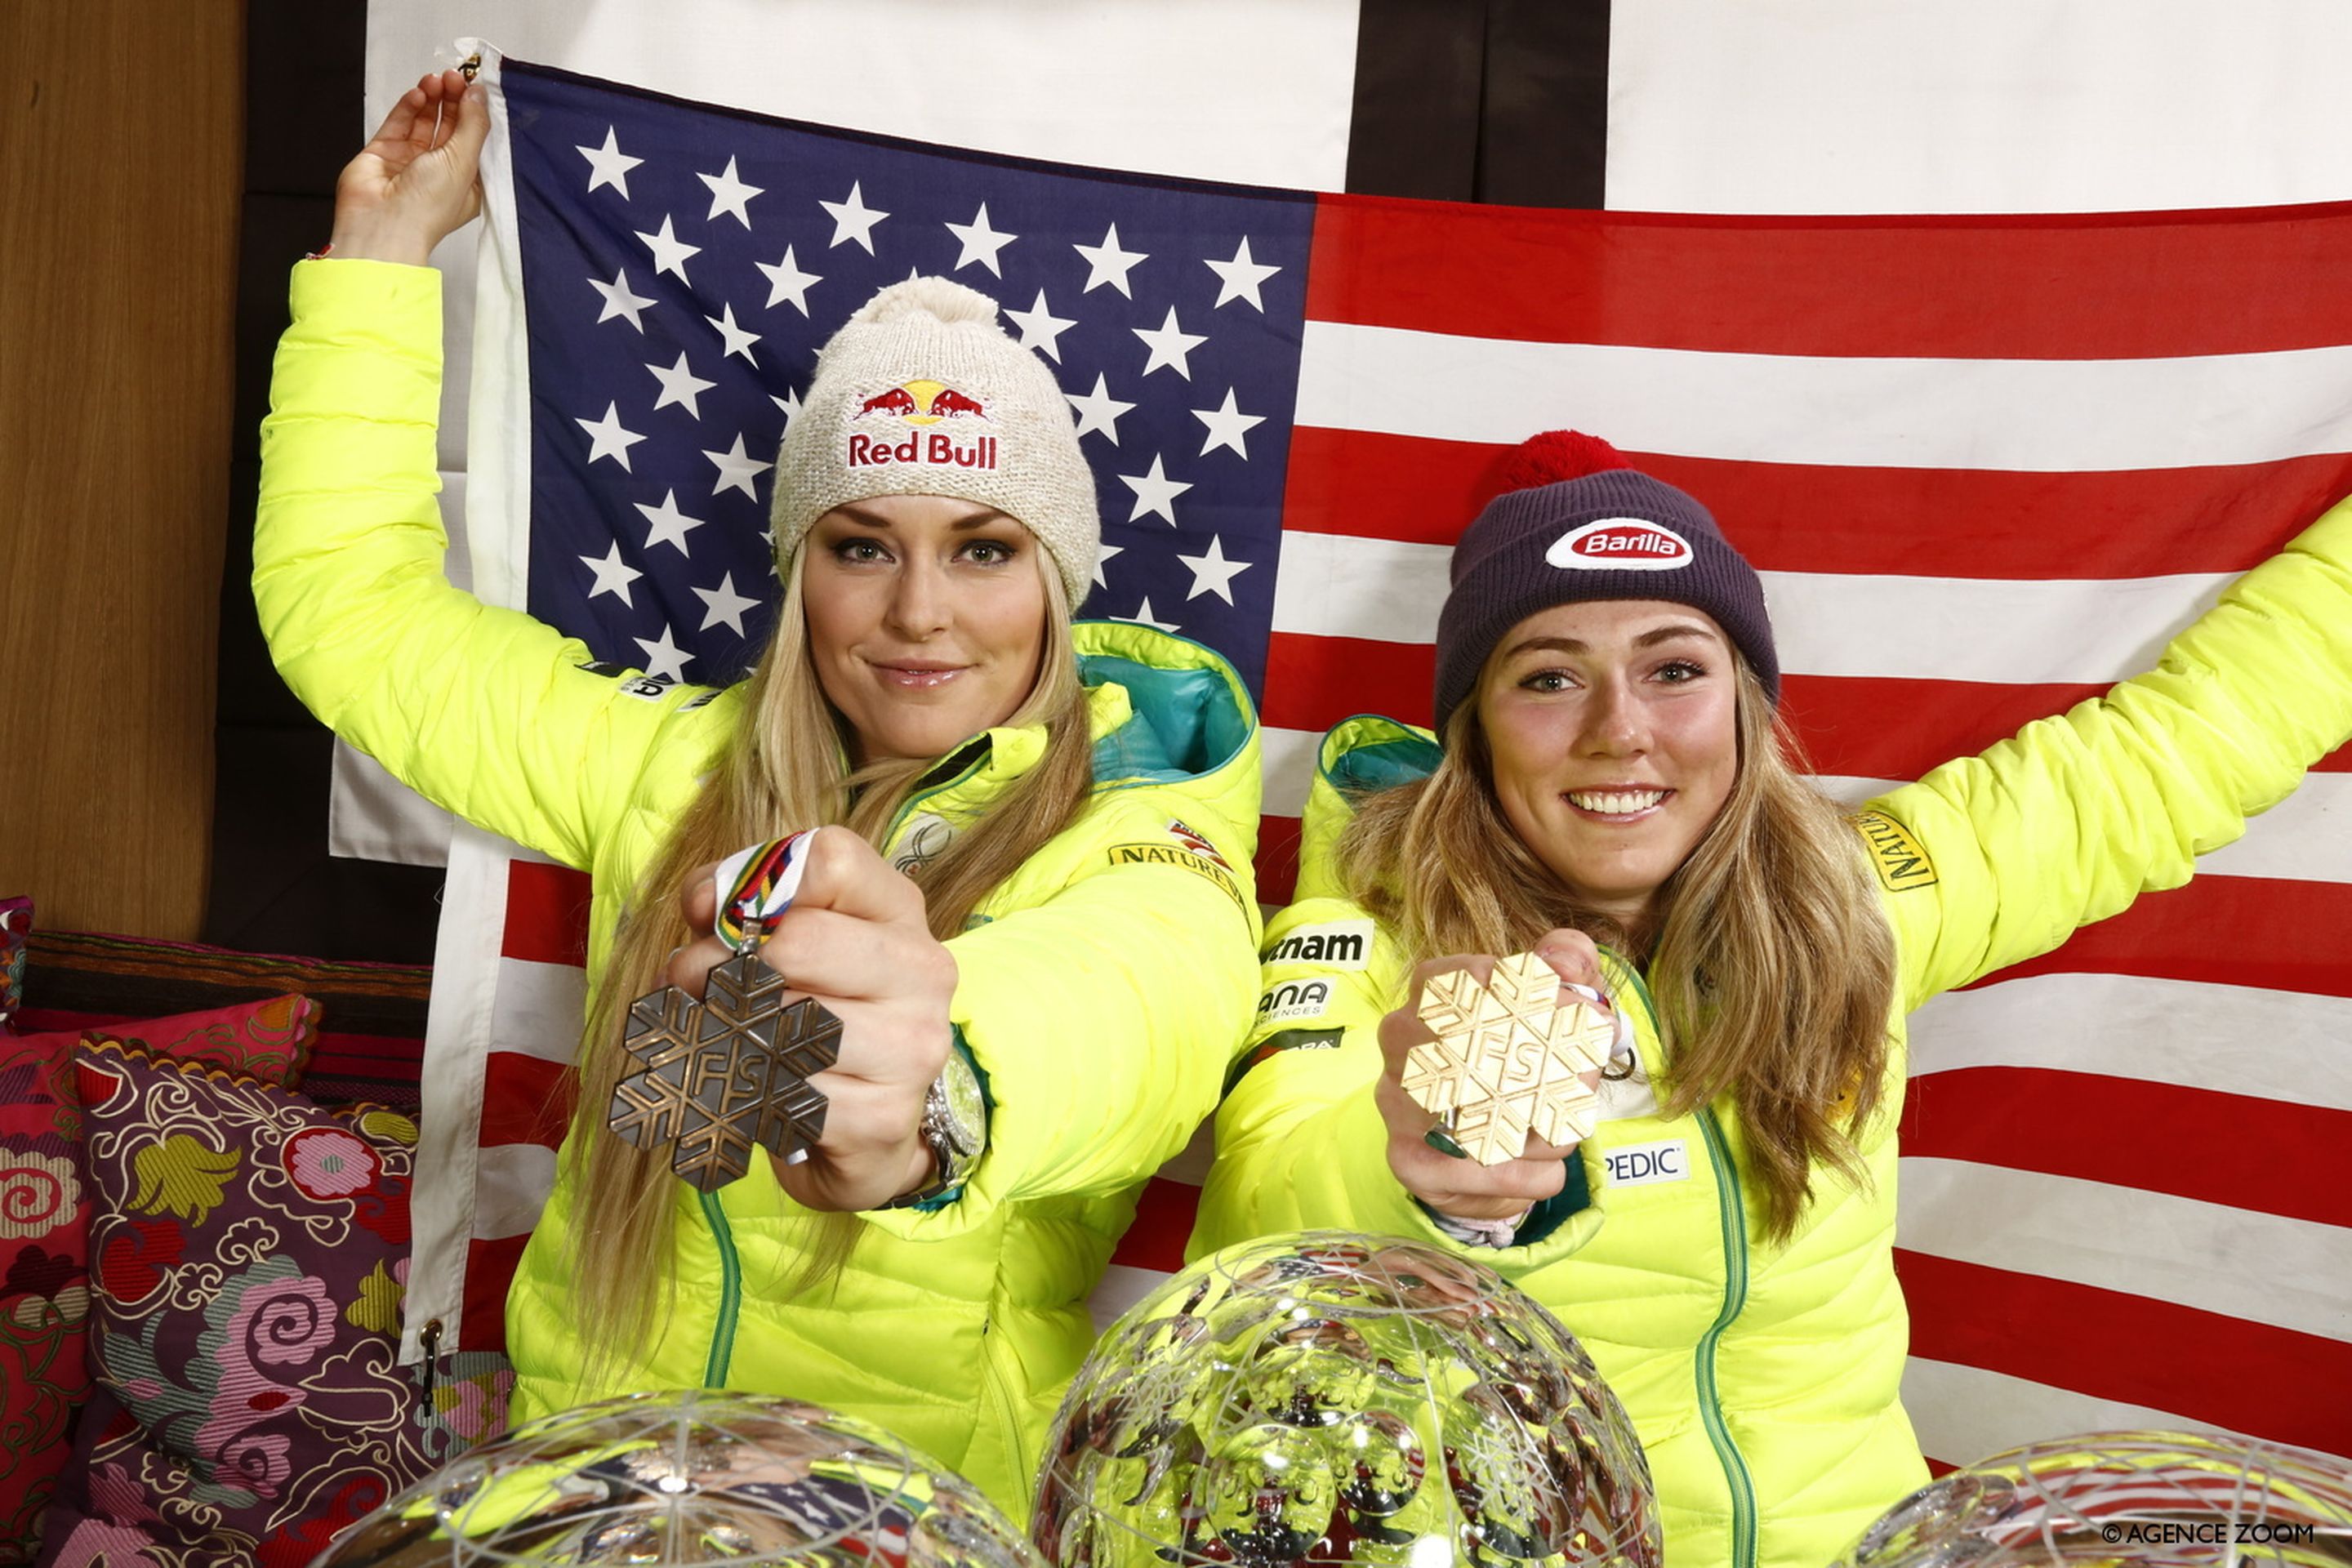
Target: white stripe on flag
pixel 1120 1287
pixel 2269 1044
pixel 2043 415
pixel 2123 1238
pixel 1289 761
pixel 511 1189
pixel 2001 631
pixel 539 1008
pixel 1964 1413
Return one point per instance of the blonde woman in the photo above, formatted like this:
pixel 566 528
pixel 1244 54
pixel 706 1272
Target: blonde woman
pixel 1028 899
pixel 1609 768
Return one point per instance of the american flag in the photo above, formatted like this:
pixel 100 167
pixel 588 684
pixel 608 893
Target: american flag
pixel 1987 466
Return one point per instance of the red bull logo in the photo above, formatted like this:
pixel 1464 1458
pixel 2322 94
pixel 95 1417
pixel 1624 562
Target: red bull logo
pixel 1621 545
pixel 923 405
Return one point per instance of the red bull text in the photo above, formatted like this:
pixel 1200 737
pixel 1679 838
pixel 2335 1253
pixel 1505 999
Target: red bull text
pixel 923 403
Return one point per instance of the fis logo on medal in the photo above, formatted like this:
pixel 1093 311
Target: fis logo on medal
pixel 922 422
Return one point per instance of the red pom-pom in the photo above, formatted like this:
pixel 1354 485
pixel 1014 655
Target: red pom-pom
pixel 1551 457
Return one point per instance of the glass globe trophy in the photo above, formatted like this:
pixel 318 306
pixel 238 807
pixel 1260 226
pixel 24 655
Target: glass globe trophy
pixel 686 1479
pixel 1332 1398
pixel 2123 1498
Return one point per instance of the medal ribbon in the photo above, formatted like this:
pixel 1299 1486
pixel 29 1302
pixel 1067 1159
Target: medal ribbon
pixel 756 885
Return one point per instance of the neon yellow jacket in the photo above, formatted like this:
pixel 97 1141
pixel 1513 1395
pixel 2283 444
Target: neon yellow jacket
pixel 1101 990
pixel 1765 1381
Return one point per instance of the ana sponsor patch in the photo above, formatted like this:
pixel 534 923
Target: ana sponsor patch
pixel 1274 1044
pixel 1295 999
pixel 923 422
pixel 1897 857
pixel 1176 855
pixel 1334 944
pixel 1648 1165
pixel 1621 545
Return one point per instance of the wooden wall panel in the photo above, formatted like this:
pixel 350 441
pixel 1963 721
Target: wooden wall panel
pixel 123 125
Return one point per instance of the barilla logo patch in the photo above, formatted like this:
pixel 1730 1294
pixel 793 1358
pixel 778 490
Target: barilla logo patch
pixel 1647 1164
pixel 1333 944
pixel 916 408
pixel 1897 857
pixel 1621 545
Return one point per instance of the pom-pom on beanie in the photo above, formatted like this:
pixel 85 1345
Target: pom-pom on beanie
pixel 1575 521
pixel 921 393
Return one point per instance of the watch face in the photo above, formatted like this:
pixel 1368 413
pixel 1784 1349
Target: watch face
pixel 963 1114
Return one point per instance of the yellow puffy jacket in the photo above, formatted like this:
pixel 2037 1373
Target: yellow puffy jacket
pixel 1765 1381
pixel 1102 988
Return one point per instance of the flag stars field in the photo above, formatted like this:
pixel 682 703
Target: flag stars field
pixel 980 242
pixel 724 605
pixel 608 165
pixel 853 220
pixel 607 438
pixel 787 283
pixel 1098 412
pixel 1227 427
pixel 1155 493
pixel 730 195
pixel 1107 263
pixel 738 470
pixel 1040 328
pixel 1212 572
pixel 668 525
pixel 680 386
pixel 1170 347
pixel 622 300
pixel 665 660
pixel 1239 278
pixel 670 253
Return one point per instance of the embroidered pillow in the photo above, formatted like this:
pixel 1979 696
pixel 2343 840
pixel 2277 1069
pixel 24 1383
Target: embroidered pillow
pixel 248 1254
pixel 44 1227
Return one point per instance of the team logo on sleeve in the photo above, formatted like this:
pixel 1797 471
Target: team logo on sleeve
pixel 1166 854
pixel 1897 857
pixel 1333 944
pixel 1196 842
pixel 922 422
pixel 1293 1000
pixel 1275 1044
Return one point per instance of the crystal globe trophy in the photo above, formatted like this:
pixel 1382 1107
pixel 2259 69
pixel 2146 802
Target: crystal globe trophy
pixel 683 1481
pixel 2123 1499
pixel 1334 1398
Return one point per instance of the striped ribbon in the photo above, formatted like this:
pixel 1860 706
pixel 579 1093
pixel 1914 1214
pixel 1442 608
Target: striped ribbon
pixel 756 885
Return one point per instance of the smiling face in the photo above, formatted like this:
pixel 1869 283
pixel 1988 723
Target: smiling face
pixel 1612 733
pixel 925 620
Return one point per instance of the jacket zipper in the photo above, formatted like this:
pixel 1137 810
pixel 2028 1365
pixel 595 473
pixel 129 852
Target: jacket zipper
pixel 1734 1220
pixel 730 1294
pixel 999 1407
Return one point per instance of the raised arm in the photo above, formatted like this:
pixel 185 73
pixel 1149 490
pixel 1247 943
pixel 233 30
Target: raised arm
pixel 2071 820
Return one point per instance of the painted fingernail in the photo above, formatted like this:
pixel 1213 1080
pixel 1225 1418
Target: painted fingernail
pixel 1443 1142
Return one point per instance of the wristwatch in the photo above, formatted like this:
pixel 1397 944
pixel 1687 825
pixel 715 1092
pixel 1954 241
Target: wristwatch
pixel 955 1126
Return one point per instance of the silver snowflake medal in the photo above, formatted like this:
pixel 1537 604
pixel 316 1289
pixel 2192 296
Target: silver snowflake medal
pixel 700 1480
pixel 1507 1058
pixel 2124 1500
pixel 720 1075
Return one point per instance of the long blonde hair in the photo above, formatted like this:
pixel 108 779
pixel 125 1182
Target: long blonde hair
pixel 785 769
pixel 1771 961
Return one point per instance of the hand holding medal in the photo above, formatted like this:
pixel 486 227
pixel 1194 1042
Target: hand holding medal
pixel 810 1022
pixel 1492 1069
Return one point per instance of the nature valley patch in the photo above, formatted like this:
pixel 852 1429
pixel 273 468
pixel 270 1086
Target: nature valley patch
pixel 1170 853
pixel 1898 859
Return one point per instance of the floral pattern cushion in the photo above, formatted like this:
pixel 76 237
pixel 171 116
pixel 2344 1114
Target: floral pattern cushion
pixel 250 1252
pixel 16 926
pixel 44 1228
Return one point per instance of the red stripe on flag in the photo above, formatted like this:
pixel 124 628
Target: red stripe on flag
pixel 1915 522
pixel 2251 1377
pixel 1312 683
pixel 489 1269
pixel 2208 282
pixel 2157 1137
pixel 547 914
pixel 2224 930
pixel 525 1099
pixel 1163 1222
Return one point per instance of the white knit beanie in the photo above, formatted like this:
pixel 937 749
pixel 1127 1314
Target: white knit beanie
pixel 920 393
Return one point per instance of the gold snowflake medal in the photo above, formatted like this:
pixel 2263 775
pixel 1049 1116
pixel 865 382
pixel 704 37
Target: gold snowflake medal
pixel 1507 1058
pixel 720 1075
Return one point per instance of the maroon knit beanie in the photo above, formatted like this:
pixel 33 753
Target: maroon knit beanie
pixel 1575 523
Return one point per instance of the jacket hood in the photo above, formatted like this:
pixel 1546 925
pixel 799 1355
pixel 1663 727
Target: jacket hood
pixel 1358 756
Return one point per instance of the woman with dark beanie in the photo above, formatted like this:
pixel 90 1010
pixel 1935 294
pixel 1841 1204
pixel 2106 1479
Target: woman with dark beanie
pixel 1610 786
